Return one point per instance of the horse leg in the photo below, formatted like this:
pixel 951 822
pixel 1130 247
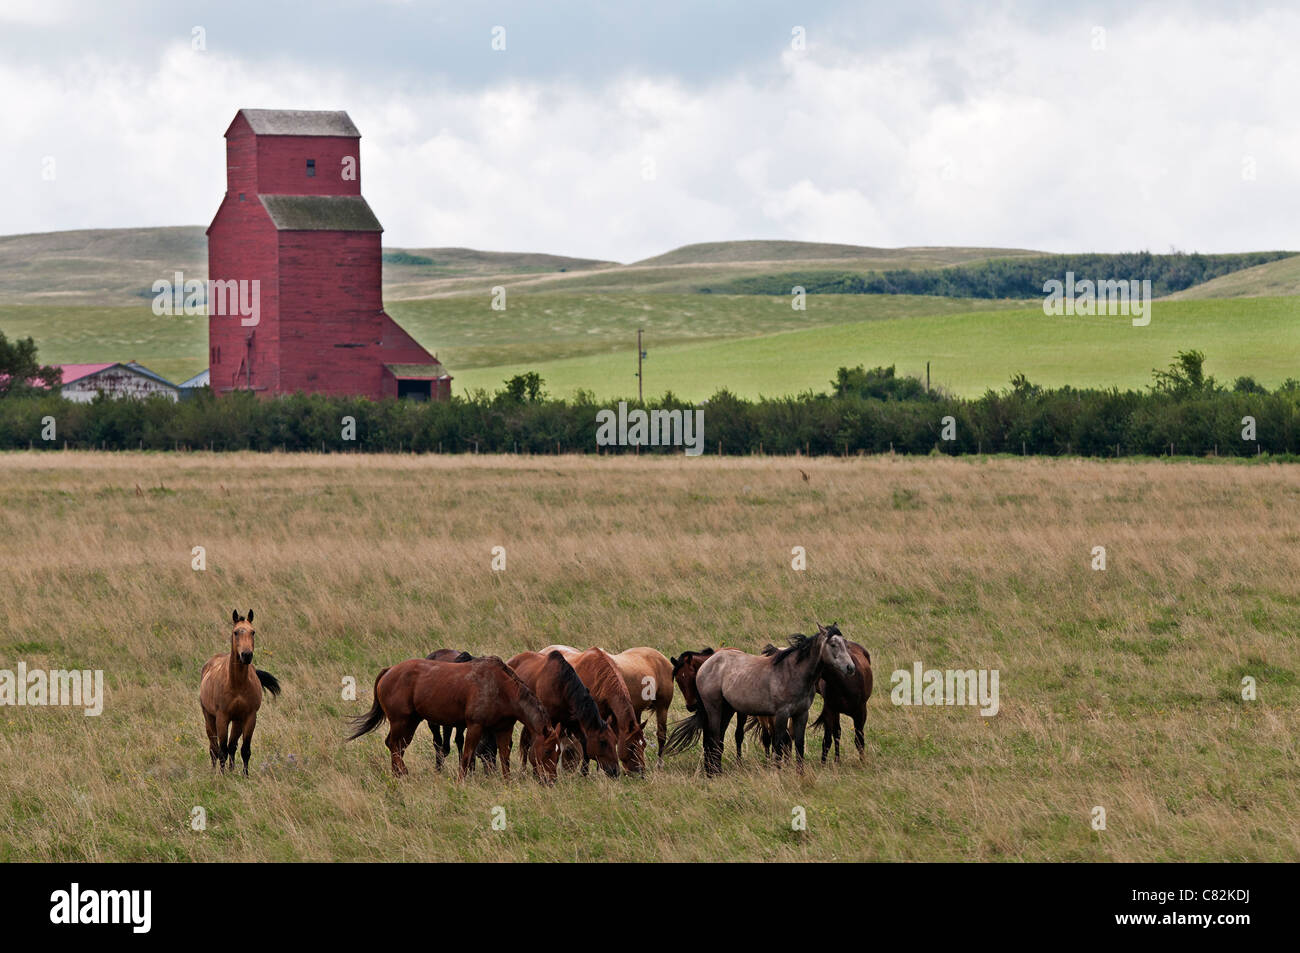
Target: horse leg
pixel 661 729
pixel 525 747
pixel 438 753
pixel 832 721
pixel 223 730
pixel 247 747
pixel 740 734
pixel 210 725
pixel 399 736
pixel 798 725
pixel 472 734
pixel 232 746
pixel 837 738
pixel 504 739
pixel 859 733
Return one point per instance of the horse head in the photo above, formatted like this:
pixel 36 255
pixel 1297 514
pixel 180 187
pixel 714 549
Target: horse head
pixel 602 745
pixel 684 669
pixel 546 752
pixel 241 639
pixel 631 748
pixel 835 649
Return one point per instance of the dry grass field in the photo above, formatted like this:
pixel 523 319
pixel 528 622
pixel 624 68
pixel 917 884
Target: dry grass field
pixel 1118 688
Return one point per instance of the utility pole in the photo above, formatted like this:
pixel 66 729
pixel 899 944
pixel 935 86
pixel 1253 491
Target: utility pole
pixel 639 380
pixel 927 377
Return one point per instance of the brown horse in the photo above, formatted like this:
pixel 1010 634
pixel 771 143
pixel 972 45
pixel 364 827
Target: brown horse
pixel 442 734
pixel 601 676
pixel 569 704
pixel 649 678
pixel 845 695
pixel 483 694
pixel 230 694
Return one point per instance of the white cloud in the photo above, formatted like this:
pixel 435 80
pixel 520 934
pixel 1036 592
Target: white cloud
pixel 1006 135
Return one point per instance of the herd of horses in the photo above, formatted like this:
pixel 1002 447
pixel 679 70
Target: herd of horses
pixel 575 707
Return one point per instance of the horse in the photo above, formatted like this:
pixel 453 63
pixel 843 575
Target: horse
pixel 779 686
pixel 649 678
pixel 845 695
pixel 484 694
pixel 442 734
pixel 230 694
pixel 840 695
pixel 569 704
pixel 685 668
pixel 601 676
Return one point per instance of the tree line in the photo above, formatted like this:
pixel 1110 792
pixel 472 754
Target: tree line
pixel 1009 277
pixel 1183 412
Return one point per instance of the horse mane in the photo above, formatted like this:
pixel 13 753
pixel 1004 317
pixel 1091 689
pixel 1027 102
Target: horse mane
pixel 800 646
pixel 527 699
pixel 576 694
pixel 687 655
pixel 609 681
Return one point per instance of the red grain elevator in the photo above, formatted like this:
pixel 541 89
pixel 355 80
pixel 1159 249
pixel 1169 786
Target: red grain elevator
pixel 295 301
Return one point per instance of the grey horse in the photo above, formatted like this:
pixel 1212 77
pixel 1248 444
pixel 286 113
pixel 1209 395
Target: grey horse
pixel 780 686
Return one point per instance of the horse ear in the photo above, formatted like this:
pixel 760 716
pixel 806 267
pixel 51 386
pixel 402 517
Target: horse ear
pixel 250 615
pixel 234 616
pixel 821 629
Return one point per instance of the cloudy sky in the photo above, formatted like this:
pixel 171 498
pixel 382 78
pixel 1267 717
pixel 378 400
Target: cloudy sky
pixel 606 131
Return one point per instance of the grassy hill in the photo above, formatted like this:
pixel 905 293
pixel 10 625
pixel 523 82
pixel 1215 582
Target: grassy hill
pixel 84 296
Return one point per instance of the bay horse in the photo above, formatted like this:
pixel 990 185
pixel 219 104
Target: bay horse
pixel 779 686
pixel 230 694
pixel 569 704
pixel 845 695
pixel 649 678
pixel 442 734
pixel 484 694
pixel 605 683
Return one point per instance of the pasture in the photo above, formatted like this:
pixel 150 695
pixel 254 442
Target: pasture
pixel 1119 688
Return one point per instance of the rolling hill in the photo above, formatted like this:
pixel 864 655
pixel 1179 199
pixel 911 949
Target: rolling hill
pixel 85 296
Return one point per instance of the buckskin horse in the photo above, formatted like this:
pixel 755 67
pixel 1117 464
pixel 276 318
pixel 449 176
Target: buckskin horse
pixel 779 686
pixel 484 694
pixel 230 694
pixel 649 678
pixel 605 682
pixel 569 704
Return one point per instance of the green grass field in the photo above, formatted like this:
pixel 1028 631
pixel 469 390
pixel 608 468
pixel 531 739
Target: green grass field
pixel 1119 689
pixel 969 351
pixel 751 344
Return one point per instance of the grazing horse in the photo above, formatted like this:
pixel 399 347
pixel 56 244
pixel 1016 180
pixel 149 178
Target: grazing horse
pixel 845 695
pixel 569 704
pixel 483 694
pixel 649 678
pixel 601 676
pixel 780 686
pixel 230 693
pixel 442 734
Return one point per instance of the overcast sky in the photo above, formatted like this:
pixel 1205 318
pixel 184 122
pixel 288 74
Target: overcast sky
pixel 610 132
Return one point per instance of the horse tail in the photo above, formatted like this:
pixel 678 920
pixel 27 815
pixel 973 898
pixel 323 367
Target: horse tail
pixel 269 681
pixel 823 720
pixel 686 731
pixel 371 719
